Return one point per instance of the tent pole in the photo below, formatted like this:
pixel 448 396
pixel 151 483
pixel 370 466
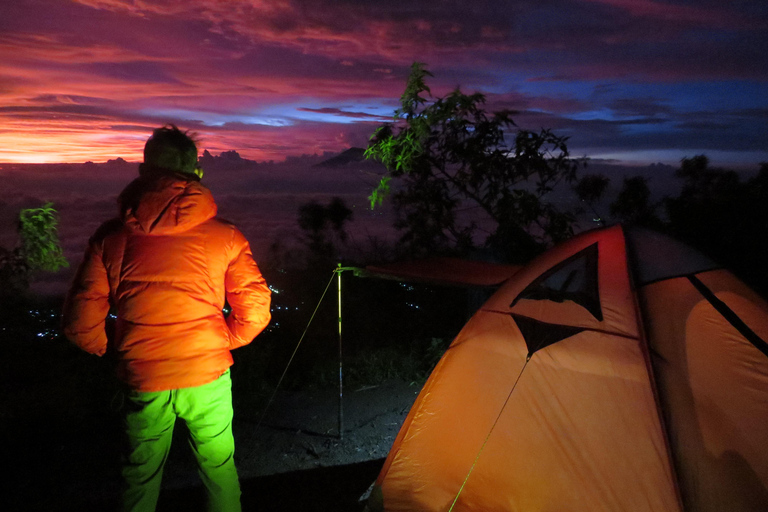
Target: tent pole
pixel 341 366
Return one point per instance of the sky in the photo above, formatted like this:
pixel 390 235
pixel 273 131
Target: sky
pixel 628 81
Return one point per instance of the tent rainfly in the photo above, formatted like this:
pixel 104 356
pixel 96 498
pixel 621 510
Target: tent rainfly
pixel 619 371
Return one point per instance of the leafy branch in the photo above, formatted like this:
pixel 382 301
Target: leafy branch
pixel 447 155
pixel 39 249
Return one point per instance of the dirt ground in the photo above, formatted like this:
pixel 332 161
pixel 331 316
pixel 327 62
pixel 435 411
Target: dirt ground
pixel 298 449
pixel 60 427
pixel 300 431
pixel 294 460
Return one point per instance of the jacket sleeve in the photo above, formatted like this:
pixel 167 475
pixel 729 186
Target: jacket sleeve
pixel 247 294
pixel 87 304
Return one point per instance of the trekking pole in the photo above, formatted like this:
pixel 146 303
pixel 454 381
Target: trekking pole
pixel 341 364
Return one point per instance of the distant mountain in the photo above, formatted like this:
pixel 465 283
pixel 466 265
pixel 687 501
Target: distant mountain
pixel 344 158
pixel 227 160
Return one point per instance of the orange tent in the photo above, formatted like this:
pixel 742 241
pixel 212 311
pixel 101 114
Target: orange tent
pixel 620 371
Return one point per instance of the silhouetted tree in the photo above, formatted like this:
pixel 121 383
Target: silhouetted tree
pixel 324 230
pixel 14 273
pixel 448 155
pixel 633 204
pixel 590 189
pixel 715 211
pixel 723 217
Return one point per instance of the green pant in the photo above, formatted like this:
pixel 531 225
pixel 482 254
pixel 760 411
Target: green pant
pixel 149 420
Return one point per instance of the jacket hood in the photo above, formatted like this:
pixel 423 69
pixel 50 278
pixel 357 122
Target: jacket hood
pixel 166 204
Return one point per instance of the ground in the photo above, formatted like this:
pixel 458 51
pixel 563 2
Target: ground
pixel 293 460
pixel 299 432
pixel 60 426
pixel 301 429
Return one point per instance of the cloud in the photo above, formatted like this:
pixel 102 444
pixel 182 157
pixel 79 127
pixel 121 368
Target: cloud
pixel 88 79
pixel 641 107
pixel 709 16
pixel 343 113
pixel 71 49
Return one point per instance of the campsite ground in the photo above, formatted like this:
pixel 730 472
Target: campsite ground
pixel 62 443
pixel 295 458
pixel 60 420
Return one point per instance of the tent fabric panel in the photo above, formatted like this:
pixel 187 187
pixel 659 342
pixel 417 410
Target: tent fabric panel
pixel 561 442
pixel 452 415
pixel 580 432
pixel 426 392
pixel 713 386
pixel 617 301
pixel 656 256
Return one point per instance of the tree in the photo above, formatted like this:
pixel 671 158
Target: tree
pixel 724 217
pixel 324 230
pixel 715 212
pixel 590 190
pixel 14 273
pixel 461 184
pixel 39 249
pixel 633 204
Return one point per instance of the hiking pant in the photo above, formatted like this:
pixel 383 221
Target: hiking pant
pixel 149 420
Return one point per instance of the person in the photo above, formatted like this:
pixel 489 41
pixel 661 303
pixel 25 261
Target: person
pixel 166 266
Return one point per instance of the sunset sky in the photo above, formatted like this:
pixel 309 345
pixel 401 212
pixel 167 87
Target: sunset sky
pixel 637 81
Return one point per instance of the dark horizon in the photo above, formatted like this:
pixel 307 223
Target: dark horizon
pixel 262 198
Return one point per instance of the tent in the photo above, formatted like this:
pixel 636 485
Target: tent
pixel 619 371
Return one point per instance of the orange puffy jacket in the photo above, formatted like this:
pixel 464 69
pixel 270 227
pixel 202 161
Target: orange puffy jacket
pixel 167 266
